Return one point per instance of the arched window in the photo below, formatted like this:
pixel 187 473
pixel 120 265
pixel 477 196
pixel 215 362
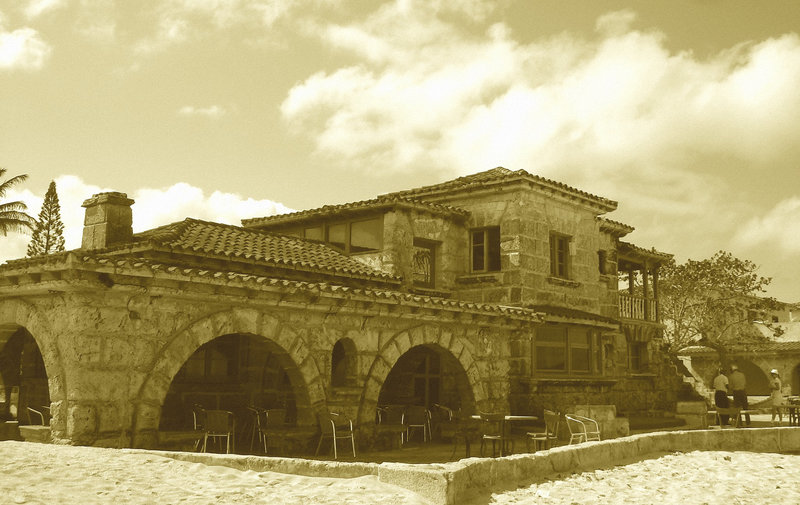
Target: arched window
pixel 343 363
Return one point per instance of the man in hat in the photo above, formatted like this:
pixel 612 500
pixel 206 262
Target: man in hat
pixel 738 385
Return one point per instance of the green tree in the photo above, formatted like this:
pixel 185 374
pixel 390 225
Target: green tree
pixel 12 214
pixel 48 237
pixel 713 302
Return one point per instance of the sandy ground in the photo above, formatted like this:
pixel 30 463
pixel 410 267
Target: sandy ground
pixel 49 474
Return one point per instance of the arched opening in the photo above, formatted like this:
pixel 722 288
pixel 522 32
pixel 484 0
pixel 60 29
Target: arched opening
pixel 757 382
pixel 796 381
pixel 343 363
pixel 236 372
pixel 427 375
pixel 24 388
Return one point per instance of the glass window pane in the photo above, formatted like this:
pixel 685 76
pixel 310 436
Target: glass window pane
pixel 365 235
pixel 551 358
pixel 337 235
pixel 493 248
pixel 478 251
pixel 314 233
pixel 580 359
pixel 551 334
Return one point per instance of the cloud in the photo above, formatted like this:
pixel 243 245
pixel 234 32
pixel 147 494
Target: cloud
pixel 778 229
pixel 213 111
pixel 22 49
pixel 36 8
pixel 428 93
pixel 154 207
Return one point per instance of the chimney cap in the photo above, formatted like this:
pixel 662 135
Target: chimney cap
pixel 112 197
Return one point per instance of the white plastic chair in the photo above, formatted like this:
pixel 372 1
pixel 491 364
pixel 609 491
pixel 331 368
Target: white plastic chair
pixel 582 429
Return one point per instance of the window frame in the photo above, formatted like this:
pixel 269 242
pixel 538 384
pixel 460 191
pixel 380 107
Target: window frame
pixel 560 242
pixel 490 249
pixel 574 338
pixel 325 228
pixel 431 246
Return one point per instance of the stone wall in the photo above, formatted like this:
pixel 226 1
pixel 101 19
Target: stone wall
pixel 112 350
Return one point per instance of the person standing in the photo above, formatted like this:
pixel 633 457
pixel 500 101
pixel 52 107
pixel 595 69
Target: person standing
pixel 738 384
pixel 776 395
pixel 721 395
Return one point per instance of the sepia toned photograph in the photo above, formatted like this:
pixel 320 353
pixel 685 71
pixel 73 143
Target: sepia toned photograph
pixel 408 252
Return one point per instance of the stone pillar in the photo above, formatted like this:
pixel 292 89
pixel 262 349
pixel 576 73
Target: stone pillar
pixel 108 220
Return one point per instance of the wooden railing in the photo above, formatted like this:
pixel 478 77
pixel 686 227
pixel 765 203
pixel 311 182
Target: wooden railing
pixel 637 307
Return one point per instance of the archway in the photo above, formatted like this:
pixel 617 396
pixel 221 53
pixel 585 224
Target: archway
pixel 757 380
pixel 23 379
pixel 796 381
pixel 427 375
pixel 235 372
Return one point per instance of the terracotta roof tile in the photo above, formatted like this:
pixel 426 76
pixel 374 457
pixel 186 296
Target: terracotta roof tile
pixel 502 175
pixel 207 238
pixel 380 203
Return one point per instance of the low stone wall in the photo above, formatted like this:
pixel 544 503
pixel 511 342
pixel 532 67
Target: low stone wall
pixel 457 482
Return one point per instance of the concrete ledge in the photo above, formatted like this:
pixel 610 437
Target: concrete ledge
pixel 35 433
pixel 457 482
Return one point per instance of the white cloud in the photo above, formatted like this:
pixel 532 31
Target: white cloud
pixel 22 49
pixel 213 111
pixel 154 207
pixel 778 229
pixel 36 8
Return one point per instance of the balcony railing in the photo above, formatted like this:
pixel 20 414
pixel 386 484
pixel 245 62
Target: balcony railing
pixel 637 307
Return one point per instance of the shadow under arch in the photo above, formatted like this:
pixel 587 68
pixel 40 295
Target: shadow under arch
pixel 344 363
pixel 16 316
pixel 286 348
pixel 757 382
pixel 24 382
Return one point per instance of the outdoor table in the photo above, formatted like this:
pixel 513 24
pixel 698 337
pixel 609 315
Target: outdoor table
pixel 794 414
pixel 507 418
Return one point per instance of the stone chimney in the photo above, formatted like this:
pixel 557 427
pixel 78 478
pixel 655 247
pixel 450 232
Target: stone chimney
pixel 108 220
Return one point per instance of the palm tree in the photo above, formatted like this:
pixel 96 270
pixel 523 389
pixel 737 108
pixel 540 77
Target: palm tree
pixel 12 214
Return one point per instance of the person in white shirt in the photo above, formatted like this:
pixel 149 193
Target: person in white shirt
pixel 721 395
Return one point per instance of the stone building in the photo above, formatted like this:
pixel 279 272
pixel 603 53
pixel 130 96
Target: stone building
pixel 498 291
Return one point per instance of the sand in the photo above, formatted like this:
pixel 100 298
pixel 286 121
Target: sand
pixel 50 474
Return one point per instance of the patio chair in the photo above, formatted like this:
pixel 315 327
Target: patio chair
pixel 198 423
pixel 219 424
pixel 466 429
pixel 335 427
pixel 417 416
pixel 493 429
pixel 546 438
pixel 274 429
pixel 35 416
pixel 255 423
pixel 582 429
pixel 391 419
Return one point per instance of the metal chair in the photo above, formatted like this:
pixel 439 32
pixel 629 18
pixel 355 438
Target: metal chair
pixel 417 416
pixel 256 427
pixel 335 427
pixel 219 424
pixel 391 419
pixel 493 428
pixel 37 413
pixel 545 438
pixel 582 429
pixel 273 429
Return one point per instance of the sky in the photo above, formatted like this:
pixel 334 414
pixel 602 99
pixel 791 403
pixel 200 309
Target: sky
pixel 684 111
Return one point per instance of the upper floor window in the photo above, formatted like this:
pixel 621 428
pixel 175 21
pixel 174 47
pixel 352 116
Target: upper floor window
pixel 485 249
pixel 559 255
pixel 350 236
pixel 637 356
pixel 423 267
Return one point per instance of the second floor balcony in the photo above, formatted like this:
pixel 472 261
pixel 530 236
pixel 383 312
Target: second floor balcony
pixel 638 307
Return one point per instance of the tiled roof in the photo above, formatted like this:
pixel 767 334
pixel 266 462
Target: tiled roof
pixel 695 350
pixel 234 242
pixel 380 203
pixel 501 175
pixel 136 266
pixel 614 227
pixel 626 248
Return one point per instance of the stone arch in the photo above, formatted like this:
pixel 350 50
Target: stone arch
pixel 757 381
pixel 444 340
pixel 15 316
pixel 344 363
pixel 305 373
